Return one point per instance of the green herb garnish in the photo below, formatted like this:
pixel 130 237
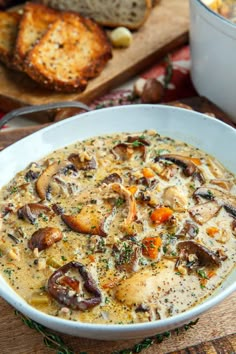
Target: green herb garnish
pixel 54 341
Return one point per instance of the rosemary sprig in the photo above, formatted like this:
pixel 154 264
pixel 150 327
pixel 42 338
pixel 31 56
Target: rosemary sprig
pixel 168 71
pixel 54 341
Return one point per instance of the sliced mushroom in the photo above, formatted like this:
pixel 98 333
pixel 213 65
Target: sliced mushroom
pixel 125 151
pixel 201 213
pixel 31 175
pixel 44 238
pixel 147 182
pixel 43 182
pixel 188 167
pixel 58 209
pixel 112 178
pixel 205 256
pixel 127 256
pixel 91 220
pixel 130 201
pixel 174 198
pixel 189 230
pixel 226 200
pixel 83 163
pixel 31 211
pixel 77 294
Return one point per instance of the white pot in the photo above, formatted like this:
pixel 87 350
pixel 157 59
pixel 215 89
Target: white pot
pixel 213 52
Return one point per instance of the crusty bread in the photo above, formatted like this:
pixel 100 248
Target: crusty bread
pixel 72 51
pixel 34 23
pixel 9 22
pixel 111 13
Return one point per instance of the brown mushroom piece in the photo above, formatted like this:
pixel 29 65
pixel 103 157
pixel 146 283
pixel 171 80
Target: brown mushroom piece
pixel 201 213
pixel 204 255
pixel 150 183
pixel 188 167
pixel 84 164
pixel 78 294
pixel 30 212
pixel 125 151
pixel 44 238
pixel 153 91
pixel 127 256
pixel 189 230
pixel 226 200
pixel 112 178
pixel 43 182
pixel 91 220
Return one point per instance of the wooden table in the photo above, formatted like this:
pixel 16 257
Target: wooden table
pixel 214 333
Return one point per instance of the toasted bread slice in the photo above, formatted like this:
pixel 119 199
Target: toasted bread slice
pixel 9 23
pixel 35 22
pixel 111 13
pixel 73 50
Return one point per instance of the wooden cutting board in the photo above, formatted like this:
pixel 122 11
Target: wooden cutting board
pixel 165 29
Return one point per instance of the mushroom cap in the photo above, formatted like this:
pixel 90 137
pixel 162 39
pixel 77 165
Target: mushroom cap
pixel 204 255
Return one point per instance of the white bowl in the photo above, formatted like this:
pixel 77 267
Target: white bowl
pixel 202 131
pixel 213 55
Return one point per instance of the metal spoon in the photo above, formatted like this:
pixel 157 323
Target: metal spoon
pixel 39 108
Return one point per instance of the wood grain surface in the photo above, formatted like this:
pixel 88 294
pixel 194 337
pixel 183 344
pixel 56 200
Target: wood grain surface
pixel 214 333
pixel 165 29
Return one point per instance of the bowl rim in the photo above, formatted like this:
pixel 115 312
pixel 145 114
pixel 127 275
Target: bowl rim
pixel 19 303
pixel 215 14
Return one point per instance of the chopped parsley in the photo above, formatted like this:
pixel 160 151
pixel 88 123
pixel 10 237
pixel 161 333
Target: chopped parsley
pixel 119 202
pixel 137 143
pixel 202 274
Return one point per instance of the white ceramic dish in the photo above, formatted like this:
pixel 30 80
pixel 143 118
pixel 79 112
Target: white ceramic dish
pixel 213 54
pixel 202 131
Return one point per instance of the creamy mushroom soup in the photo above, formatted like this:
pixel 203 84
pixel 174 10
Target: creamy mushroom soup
pixel 123 228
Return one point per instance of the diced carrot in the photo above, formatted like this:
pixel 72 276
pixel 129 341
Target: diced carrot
pixel 211 274
pixel 148 173
pixel 161 215
pixel 91 257
pixel 203 282
pixel 211 231
pixel 132 189
pixel 151 246
pixel 72 283
pixel 111 284
pixel 195 160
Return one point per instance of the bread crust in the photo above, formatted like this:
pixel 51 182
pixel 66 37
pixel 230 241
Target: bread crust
pixel 9 22
pixel 34 23
pixel 148 6
pixel 72 51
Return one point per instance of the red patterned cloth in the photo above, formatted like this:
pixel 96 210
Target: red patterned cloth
pixel 179 85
